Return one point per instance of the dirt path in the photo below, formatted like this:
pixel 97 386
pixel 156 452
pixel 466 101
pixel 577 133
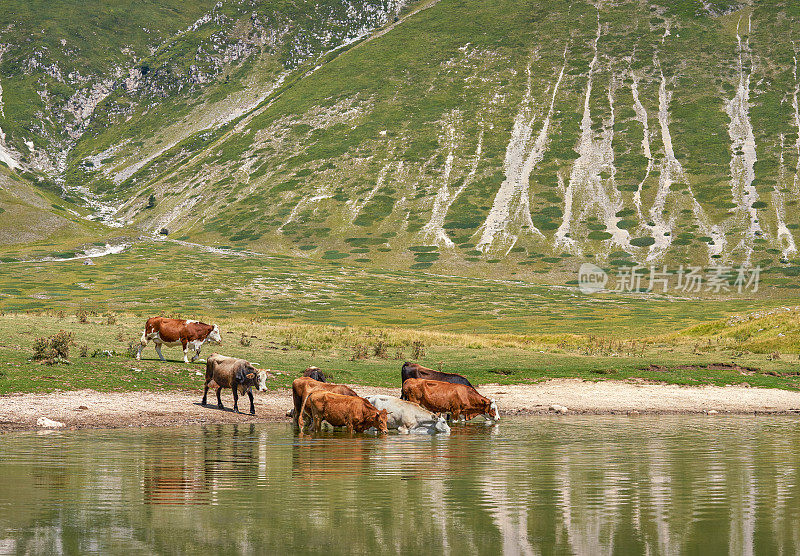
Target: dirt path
pixel 135 409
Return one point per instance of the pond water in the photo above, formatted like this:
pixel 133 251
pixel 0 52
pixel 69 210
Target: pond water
pixel 584 485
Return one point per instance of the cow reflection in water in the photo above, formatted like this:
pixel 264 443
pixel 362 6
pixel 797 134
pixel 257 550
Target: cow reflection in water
pixel 337 456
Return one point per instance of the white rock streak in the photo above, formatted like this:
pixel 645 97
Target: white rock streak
pixel 562 238
pixel 796 107
pixel 357 205
pixel 785 238
pixel 671 171
pixel 585 183
pixel 434 230
pixel 743 140
pixel 6 154
pixel 641 117
pixel 512 202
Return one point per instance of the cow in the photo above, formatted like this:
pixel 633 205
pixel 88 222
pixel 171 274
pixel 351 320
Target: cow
pixel 459 401
pixel 409 417
pixel 238 375
pixel 303 386
pixel 173 332
pixel 315 373
pixel 353 412
pixel 415 370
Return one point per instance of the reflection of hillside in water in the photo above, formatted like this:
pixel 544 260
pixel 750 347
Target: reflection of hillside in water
pixel 594 485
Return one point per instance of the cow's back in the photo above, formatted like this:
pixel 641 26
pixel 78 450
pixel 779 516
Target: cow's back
pixel 169 330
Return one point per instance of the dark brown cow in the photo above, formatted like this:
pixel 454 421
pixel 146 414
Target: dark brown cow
pixel 173 332
pixel 315 373
pixel 303 386
pixel 415 370
pixel 355 413
pixel 456 399
pixel 238 375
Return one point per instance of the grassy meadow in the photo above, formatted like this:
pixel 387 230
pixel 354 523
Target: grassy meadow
pixel 286 314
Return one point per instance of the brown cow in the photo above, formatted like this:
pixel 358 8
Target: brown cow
pixel 415 370
pixel 456 399
pixel 355 413
pixel 303 386
pixel 238 375
pixel 173 332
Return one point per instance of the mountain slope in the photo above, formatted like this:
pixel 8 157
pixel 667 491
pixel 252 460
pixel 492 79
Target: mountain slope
pixel 511 137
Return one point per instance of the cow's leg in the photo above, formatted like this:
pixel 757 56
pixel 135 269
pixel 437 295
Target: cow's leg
pixel 142 344
pixel 205 394
pixel 219 399
pixel 196 352
pixel 402 429
pixel 185 345
pixel 252 404
pixel 158 349
pixel 235 389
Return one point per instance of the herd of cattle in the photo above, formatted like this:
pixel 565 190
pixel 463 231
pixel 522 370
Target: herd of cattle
pixel 427 396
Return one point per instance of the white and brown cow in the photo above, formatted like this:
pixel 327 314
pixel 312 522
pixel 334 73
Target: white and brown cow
pixel 173 332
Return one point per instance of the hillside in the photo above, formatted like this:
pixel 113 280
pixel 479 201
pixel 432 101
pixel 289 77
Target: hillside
pixel 518 138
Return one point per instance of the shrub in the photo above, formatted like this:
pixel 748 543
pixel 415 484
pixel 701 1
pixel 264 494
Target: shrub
pixel 399 355
pixel 380 350
pixel 84 350
pixel 244 340
pixel 417 349
pixel 53 349
pixel 82 316
pixel 359 352
pixel 111 320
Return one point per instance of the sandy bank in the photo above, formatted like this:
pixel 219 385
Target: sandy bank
pixel 133 409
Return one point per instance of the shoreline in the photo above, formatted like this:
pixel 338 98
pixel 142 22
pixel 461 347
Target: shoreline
pixel 79 409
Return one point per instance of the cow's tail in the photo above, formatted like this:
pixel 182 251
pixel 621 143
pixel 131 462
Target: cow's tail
pixel 302 409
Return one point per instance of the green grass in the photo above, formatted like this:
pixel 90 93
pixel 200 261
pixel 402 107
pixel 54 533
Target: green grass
pixel 289 348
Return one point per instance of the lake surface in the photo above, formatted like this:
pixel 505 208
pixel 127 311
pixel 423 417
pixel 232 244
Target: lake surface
pixel 584 485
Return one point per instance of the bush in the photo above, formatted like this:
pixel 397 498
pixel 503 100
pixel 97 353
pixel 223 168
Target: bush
pixel 380 350
pixel 111 320
pixel 244 340
pixel 417 349
pixel 84 350
pixel 360 351
pixel 82 316
pixel 53 349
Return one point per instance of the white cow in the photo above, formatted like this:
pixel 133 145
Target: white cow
pixel 409 417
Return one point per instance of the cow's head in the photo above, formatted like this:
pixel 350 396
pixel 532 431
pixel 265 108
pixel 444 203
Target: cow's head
pixel 262 380
pixel 440 424
pixel 214 335
pixel 491 411
pixel 382 421
pixel 246 374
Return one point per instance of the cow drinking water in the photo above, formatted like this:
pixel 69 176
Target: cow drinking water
pixel 173 332
pixel 408 417
pixel 458 400
pixel 415 370
pixel 355 413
